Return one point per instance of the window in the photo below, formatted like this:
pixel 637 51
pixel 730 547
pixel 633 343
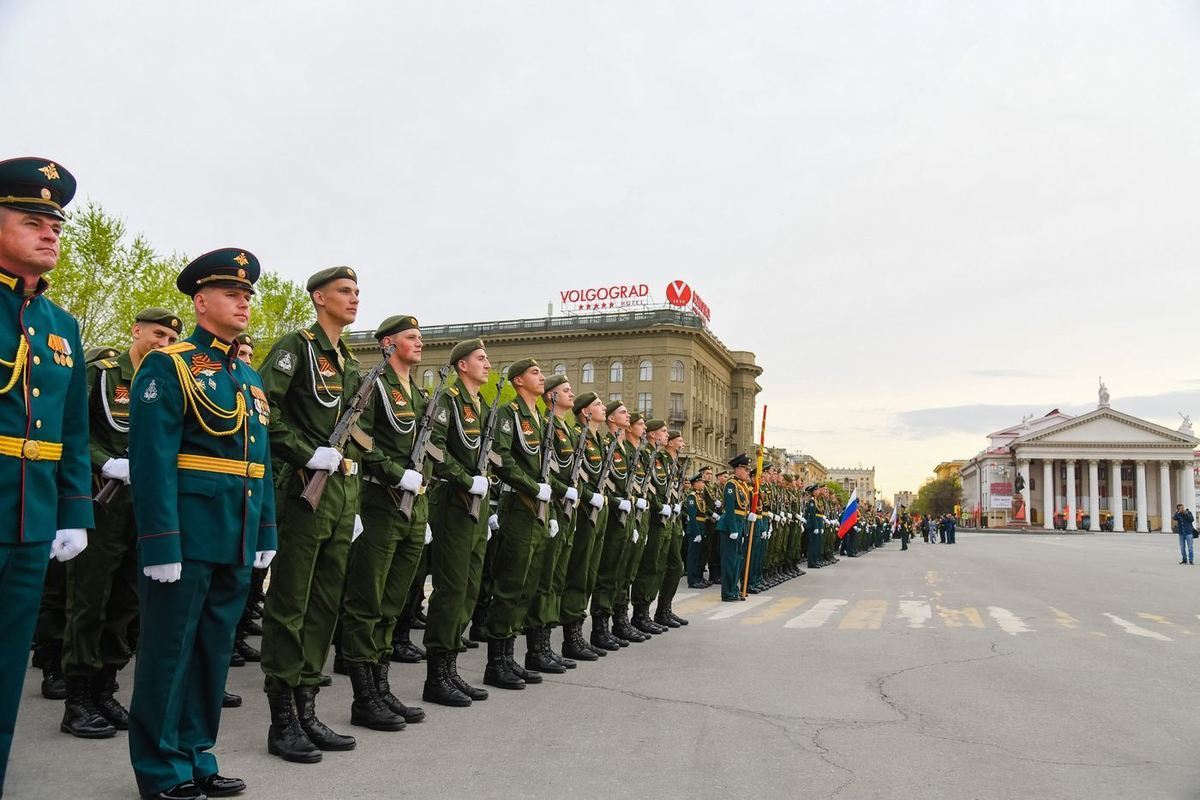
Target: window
pixel 645 400
pixel 645 371
pixel 614 397
pixel 427 378
pixel 676 406
pixel 560 369
pixel 677 371
pixel 733 400
pixel 588 372
pixel 733 424
pixel 616 373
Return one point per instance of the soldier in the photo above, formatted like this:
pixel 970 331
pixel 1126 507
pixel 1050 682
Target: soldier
pixel 43 416
pixel 669 567
pixel 310 375
pixel 695 507
pixel 456 552
pixel 242 650
pixel 201 484
pixel 616 533
pixel 715 493
pixel 101 584
pixel 384 559
pixel 812 528
pixel 633 537
pixel 735 516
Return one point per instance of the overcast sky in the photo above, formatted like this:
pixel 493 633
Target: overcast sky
pixel 926 218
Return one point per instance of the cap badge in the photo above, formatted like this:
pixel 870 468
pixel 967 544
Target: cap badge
pixel 241 273
pixel 50 171
pixel 241 259
pixel 45 193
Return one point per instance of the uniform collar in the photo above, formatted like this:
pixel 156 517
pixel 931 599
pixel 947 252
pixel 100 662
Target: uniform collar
pixel 323 341
pixel 16 284
pixel 125 363
pixel 201 337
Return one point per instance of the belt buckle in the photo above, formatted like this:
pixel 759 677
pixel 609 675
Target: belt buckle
pixel 31 450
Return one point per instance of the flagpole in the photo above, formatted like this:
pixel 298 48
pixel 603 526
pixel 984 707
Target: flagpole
pixel 762 441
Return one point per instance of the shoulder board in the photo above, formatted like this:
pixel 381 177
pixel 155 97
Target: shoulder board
pixel 576 428
pixel 307 334
pixel 172 349
pixel 105 363
pixel 452 391
pixel 515 407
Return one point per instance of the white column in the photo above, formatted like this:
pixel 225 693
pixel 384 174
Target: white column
pixel 1114 503
pixel 1143 525
pixel 1071 495
pixel 1188 496
pixel 1094 494
pixel 1026 493
pixel 1048 493
pixel 1164 491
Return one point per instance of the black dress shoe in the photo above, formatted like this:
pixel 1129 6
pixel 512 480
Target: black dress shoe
pixel 236 660
pixel 231 700
pixel 217 786
pixel 251 628
pixel 184 791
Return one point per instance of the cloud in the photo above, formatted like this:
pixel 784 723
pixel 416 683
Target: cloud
pixel 1007 373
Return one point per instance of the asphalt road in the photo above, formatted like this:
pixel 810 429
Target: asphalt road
pixel 1001 667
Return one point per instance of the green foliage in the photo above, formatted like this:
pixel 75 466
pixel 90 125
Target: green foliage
pixel 280 306
pixel 937 497
pixel 839 491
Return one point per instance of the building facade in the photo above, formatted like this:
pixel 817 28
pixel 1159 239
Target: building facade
pixel 851 478
pixel 663 363
pixel 948 470
pixel 903 499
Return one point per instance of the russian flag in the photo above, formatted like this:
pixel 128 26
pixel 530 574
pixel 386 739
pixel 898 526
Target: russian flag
pixel 849 515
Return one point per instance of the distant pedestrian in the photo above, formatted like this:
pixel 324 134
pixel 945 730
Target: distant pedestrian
pixel 948 530
pixel 1185 528
pixel 925 528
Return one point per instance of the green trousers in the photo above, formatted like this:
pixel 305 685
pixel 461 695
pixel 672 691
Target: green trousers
pixel 456 564
pixel 52 608
pixel 382 564
pixel 583 563
pixel 22 573
pixel 632 558
pixel 731 565
pixel 648 578
pixel 673 569
pixel 616 542
pixel 101 593
pixel 307 578
pixel 179 678
pixel 545 607
pixel 515 567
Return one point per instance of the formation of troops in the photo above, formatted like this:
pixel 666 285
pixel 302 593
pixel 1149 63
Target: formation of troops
pixel 161 482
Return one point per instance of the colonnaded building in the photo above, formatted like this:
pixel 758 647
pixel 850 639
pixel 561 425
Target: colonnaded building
pixel 662 362
pixel 1104 469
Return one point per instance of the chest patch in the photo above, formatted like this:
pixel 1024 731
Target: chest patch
pixel 469 415
pixel 121 395
pixel 202 365
pixel 526 428
pixel 325 368
pixel 398 398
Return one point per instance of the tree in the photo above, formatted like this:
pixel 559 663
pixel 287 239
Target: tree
pixel 280 306
pixel 937 497
pixel 839 491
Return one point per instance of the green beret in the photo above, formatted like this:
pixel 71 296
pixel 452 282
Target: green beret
pixel 464 349
pixel 396 324
pixel 635 418
pixel 674 435
pixel 583 401
pixel 655 424
pixel 326 275
pixel 97 353
pixel 553 382
pixel 228 266
pixel 159 316
pixel 517 368
pixel 37 185
pixel 611 408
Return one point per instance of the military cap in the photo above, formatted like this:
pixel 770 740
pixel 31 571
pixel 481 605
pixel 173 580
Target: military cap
pixel 611 408
pixel 553 382
pixel 582 401
pixel 396 324
pixel 699 476
pixel 464 349
pixel 635 418
pixel 228 266
pixel 37 185
pixel 326 275
pixel 244 339
pixel 98 353
pixel 159 316
pixel 740 460
pixel 655 424
pixel 722 472
pixel 517 368
pixel 673 434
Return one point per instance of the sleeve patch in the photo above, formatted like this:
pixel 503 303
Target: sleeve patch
pixel 286 362
pixel 151 392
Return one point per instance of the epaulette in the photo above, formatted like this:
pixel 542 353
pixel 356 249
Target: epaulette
pixel 576 429
pixel 452 391
pixel 307 334
pixel 105 363
pixel 513 405
pixel 172 349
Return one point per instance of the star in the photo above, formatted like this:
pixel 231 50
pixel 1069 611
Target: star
pixel 50 171
pixel 241 259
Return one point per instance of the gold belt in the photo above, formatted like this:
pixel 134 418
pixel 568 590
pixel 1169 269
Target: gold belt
pixel 739 512
pixel 30 449
pixel 225 466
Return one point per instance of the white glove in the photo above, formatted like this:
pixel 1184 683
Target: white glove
pixel 494 522
pixel 543 494
pixel 410 481
pixel 733 535
pixel 263 558
pixel 116 469
pixel 428 534
pixel 717 504
pixel 479 486
pixel 325 458
pixel 597 500
pixel 635 535
pixel 553 528
pixel 697 539
pixel 624 505
pixel 716 517
pixel 572 495
pixel 678 507
pixel 763 536
pixel 164 573
pixel 665 511
pixel 358 528
pixel 642 504
pixel 751 517
pixel 68 543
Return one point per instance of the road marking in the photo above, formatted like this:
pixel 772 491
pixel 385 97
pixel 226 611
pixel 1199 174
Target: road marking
pixel 1009 622
pixel 1155 618
pixel 931 578
pixel 954 618
pixel 733 609
pixel 866 615
pixel 1065 619
pixel 1098 633
pixel 1137 630
pixel 917 612
pixel 681 596
pixel 777 609
pixel 699 603
pixel 816 616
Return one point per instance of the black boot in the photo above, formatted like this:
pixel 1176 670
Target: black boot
pixel 384 691
pixel 438 686
pixel 285 737
pixel 473 692
pixel 537 658
pixel 498 673
pixel 671 613
pixel 104 683
pixel 318 732
pixel 573 644
pixel 600 635
pixel 81 718
pixel 243 649
pixel 622 629
pixel 527 675
pixel 367 709
pixel 641 620
pixel 403 648
pixel 230 700
pixel 548 650
pixel 54 685
pixel 662 619
pixel 236 660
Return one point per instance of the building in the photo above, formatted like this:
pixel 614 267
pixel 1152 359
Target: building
pixel 1104 469
pixel 948 470
pixel 903 499
pixel 662 362
pixel 851 478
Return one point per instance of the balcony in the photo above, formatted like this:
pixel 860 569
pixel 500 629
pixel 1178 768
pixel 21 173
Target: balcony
pixel 677 416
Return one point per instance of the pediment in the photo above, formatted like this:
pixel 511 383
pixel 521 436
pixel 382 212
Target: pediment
pixel 1107 426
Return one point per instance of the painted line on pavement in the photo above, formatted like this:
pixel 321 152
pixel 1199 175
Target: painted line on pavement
pixel 733 609
pixel 816 616
pixel 1137 630
pixel 1064 619
pixel 916 612
pixel 866 615
pixel 777 609
pixel 956 618
pixel 1009 622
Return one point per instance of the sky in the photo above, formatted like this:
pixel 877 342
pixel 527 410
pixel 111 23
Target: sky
pixel 927 219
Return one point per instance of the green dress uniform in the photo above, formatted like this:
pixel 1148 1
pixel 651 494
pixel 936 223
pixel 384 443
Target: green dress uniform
pixel 648 578
pixel 672 553
pixel 579 579
pixel 735 505
pixel 633 546
pixel 201 492
pixel 615 542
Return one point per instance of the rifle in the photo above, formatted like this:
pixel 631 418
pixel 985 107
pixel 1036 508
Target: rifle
pixel 549 457
pixel 421 445
pixel 576 462
pixel 602 479
pixel 347 429
pixel 110 488
pixel 680 479
pixel 485 449
pixel 630 491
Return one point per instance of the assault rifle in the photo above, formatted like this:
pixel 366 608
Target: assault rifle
pixel 549 457
pixel 576 462
pixel 110 488
pixel 485 449
pixel 421 443
pixel 602 480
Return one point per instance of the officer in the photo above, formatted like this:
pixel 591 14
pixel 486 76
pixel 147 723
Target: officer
pixel 384 559
pixel 735 516
pixel 310 376
pixel 715 493
pixel 43 416
pixel 905 528
pixel 695 507
pixel 200 477
pixel 101 584
pixel 243 651
pixel 617 527
pixel 456 552
pixel 669 567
